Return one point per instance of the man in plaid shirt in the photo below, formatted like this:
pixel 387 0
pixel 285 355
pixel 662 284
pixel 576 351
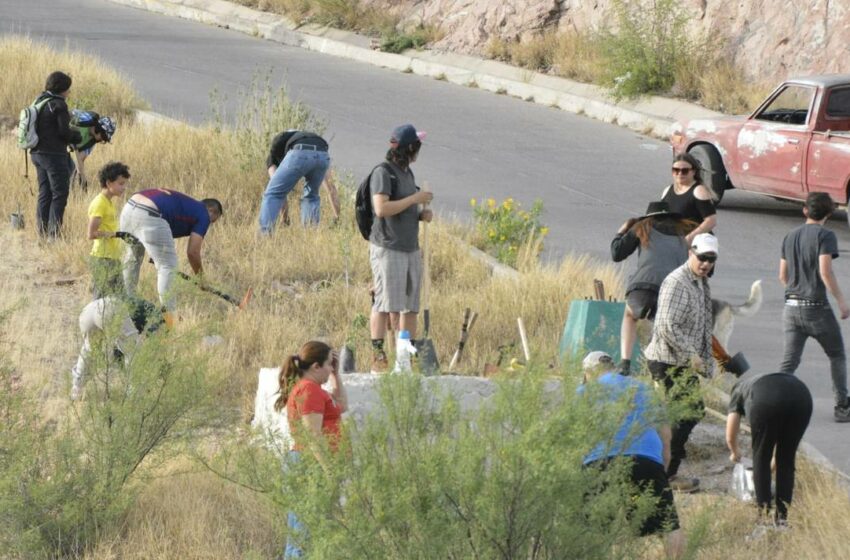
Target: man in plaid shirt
pixel 681 344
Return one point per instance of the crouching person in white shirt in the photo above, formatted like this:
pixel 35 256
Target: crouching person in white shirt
pixel 120 321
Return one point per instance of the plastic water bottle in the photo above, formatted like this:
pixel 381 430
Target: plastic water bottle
pixel 404 351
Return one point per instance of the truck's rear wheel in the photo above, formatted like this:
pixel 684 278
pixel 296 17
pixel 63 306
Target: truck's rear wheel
pixel 713 171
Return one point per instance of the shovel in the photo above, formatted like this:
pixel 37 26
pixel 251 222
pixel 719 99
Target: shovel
pixel 428 362
pixel 737 365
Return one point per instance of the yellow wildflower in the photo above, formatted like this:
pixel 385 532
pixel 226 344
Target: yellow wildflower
pixel 472 202
pixel 491 233
pixel 508 203
pixel 544 231
pixel 491 203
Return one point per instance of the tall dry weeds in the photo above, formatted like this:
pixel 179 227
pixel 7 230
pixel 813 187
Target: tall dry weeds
pixel 105 91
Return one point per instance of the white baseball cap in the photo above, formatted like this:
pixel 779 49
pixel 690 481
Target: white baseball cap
pixel 704 243
pixel 595 359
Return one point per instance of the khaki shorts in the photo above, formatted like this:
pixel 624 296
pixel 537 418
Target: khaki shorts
pixel 396 278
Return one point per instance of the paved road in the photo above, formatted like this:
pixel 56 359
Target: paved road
pixel 591 176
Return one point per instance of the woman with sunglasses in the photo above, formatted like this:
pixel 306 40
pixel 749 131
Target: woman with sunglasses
pixel 688 197
pixel 659 239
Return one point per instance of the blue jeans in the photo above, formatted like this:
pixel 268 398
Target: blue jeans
pixel 54 184
pixel 292 550
pixel 310 165
pixel 818 322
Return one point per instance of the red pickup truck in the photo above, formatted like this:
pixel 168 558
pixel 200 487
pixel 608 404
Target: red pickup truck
pixel 797 141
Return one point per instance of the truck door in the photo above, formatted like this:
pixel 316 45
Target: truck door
pixel 829 151
pixel 772 144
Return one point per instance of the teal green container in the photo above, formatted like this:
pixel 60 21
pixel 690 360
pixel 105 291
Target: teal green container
pixel 594 325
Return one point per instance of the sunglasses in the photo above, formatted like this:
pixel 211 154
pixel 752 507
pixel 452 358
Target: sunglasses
pixel 707 258
pixel 682 170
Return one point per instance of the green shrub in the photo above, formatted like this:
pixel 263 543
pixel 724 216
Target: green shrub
pixel 651 39
pixel 63 487
pixel 503 229
pixel 424 479
pixel 396 41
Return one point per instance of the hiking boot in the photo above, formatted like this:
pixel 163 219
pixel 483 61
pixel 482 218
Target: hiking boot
pixel 842 412
pixel 683 484
pixel 380 364
pixel 625 367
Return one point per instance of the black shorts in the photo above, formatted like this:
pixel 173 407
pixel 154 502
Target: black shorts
pixel 649 475
pixel 643 303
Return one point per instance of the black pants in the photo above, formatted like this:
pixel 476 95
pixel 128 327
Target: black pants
pixel 779 416
pixel 681 388
pixel 54 183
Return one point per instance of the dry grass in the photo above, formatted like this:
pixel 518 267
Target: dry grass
pixel 30 62
pixel 198 516
pixel 708 77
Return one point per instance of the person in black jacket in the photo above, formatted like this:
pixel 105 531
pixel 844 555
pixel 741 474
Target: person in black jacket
pixel 296 155
pixel 50 156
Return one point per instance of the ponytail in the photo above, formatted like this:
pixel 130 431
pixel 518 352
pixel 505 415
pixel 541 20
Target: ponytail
pixel 294 367
pixel 289 375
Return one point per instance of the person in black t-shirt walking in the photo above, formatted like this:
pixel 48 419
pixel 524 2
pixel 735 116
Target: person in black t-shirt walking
pixel 806 272
pixel 296 155
pixel 688 197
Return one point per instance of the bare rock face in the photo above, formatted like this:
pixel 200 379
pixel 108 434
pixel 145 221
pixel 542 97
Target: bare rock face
pixel 769 39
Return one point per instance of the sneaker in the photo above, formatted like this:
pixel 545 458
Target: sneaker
pixel 625 367
pixel 682 484
pixel 380 364
pixel 842 412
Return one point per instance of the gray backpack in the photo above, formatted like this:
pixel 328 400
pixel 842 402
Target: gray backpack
pixel 27 136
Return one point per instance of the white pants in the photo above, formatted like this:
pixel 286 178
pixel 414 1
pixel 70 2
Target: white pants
pixel 108 316
pixel 155 235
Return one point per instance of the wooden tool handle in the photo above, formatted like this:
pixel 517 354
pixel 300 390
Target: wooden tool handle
pixel 524 339
pixel 720 354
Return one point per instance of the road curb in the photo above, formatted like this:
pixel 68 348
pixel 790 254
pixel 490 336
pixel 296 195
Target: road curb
pixel 650 115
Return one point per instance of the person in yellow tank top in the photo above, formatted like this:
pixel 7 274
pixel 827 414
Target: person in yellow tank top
pixel 107 249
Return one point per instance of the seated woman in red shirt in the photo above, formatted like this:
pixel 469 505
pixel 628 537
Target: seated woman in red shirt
pixel 313 413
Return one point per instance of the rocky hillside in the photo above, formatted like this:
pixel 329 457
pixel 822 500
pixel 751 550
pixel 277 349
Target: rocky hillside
pixel 769 39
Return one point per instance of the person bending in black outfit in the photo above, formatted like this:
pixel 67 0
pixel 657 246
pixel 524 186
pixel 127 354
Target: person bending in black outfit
pixel 779 407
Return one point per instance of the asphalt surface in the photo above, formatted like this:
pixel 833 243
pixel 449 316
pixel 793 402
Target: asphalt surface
pixel 591 176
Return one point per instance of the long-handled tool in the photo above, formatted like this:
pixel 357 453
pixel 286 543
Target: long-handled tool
pixel 131 239
pixel 469 318
pixel 428 362
pixel 523 339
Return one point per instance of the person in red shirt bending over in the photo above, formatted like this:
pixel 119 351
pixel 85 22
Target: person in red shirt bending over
pixel 314 414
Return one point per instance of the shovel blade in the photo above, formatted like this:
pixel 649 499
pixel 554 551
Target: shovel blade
pixel 428 362
pixel 737 364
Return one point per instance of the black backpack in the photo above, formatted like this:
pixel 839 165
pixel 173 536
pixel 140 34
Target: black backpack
pixel 364 214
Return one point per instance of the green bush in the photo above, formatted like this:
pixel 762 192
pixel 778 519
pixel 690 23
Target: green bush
pixel 645 52
pixel 504 228
pixel 63 486
pixel 396 41
pixel 428 480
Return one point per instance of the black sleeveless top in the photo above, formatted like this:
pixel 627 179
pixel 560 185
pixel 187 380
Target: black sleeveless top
pixel 688 205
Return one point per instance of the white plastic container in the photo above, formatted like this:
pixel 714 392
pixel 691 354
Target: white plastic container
pixel 404 352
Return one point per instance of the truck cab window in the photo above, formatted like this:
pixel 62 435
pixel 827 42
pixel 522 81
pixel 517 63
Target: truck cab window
pixel 791 106
pixel 838 104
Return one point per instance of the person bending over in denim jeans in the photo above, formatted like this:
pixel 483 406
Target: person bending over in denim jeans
pixel 806 272
pixel 296 155
pixel 156 217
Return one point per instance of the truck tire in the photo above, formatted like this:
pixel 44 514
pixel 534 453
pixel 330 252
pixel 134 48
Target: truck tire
pixel 713 171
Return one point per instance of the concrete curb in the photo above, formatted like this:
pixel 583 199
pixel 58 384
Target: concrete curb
pixel 648 115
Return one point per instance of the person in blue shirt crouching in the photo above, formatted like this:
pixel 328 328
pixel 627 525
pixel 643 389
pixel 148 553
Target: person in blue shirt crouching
pixel 642 437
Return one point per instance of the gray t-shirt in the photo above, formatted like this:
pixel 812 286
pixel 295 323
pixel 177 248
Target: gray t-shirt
pixel 801 250
pixel 399 232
